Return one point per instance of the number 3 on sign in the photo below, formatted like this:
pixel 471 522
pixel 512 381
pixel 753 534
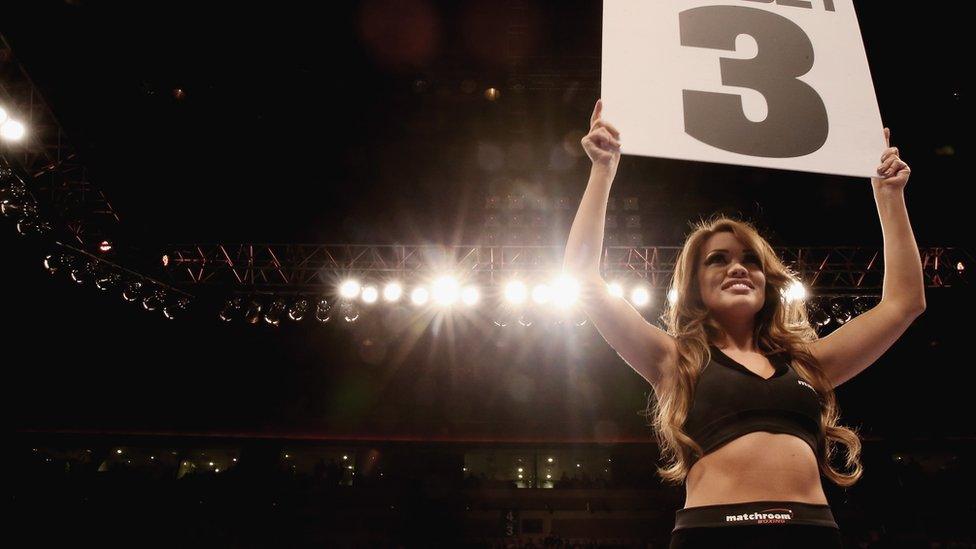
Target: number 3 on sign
pixel 678 82
pixel 796 123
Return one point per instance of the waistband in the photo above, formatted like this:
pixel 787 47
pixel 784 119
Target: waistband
pixel 755 513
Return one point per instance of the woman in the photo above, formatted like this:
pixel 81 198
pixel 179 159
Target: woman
pixel 744 409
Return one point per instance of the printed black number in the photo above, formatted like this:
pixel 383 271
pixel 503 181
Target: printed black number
pixel 796 123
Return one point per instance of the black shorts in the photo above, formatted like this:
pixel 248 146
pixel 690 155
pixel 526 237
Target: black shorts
pixel 756 525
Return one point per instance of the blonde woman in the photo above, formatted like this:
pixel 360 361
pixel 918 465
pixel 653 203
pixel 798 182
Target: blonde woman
pixel 744 409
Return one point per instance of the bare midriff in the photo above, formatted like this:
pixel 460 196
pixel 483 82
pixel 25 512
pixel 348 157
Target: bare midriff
pixel 756 466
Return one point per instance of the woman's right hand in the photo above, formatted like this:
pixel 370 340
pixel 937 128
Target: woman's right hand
pixel 602 144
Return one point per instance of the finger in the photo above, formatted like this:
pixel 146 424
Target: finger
pixel 885 167
pixel 608 138
pixel 604 124
pixel 887 134
pixel 596 112
pixel 889 152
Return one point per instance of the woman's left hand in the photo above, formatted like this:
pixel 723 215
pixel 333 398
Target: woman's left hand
pixel 893 171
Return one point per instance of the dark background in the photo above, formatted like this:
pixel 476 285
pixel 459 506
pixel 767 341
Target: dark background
pixel 356 125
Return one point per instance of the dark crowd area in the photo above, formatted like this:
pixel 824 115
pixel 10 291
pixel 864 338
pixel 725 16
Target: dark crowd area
pixel 266 493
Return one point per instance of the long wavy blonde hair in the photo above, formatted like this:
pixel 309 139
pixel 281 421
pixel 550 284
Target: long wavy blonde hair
pixel 779 326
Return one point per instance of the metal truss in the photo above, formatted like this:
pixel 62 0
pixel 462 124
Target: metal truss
pixel 307 267
pixel 57 174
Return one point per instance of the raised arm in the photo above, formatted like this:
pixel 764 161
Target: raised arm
pixel 848 350
pixel 650 351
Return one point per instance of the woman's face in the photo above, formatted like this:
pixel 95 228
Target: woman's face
pixel 725 265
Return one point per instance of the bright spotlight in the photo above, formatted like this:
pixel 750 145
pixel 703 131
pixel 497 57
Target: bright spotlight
pixel 11 130
pixel 349 289
pixel 370 294
pixel 673 295
pixel 419 295
pixel 3 115
pixel 469 295
pixel 615 289
pixel 445 290
pixel 516 292
pixel 566 291
pixel 541 294
pixel 795 292
pixel 392 291
pixel 639 296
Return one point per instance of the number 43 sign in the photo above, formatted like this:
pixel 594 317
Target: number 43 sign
pixel 772 83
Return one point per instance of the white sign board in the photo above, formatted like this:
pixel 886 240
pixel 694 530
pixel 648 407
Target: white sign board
pixel 778 84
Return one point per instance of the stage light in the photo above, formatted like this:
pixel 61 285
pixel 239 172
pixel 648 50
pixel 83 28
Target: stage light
pixel 107 281
pixel 232 308
pixel 525 319
pixel 323 311
pixel 419 295
pixel 53 262
pixel 819 318
pixel 840 310
pixel 349 289
pixel 616 289
pixel 28 227
pixel 639 296
pixel 673 295
pixel 516 292
pixel 469 295
pixel 273 316
pixel 105 246
pixel 132 290
pixel 795 292
pixel 81 271
pixel 492 94
pixel 298 309
pixel 252 315
pixel 3 115
pixel 11 206
pixel 862 304
pixel 370 294
pixel 177 308
pixel 565 291
pixel 392 291
pixel 153 301
pixel 541 293
pixel 445 290
pixel 349 312
pixel 11 130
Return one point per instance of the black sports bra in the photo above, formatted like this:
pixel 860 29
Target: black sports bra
pixel 731 400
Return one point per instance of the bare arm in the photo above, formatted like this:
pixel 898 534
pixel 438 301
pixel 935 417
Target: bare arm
pixel 585 244
pixel 647 349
